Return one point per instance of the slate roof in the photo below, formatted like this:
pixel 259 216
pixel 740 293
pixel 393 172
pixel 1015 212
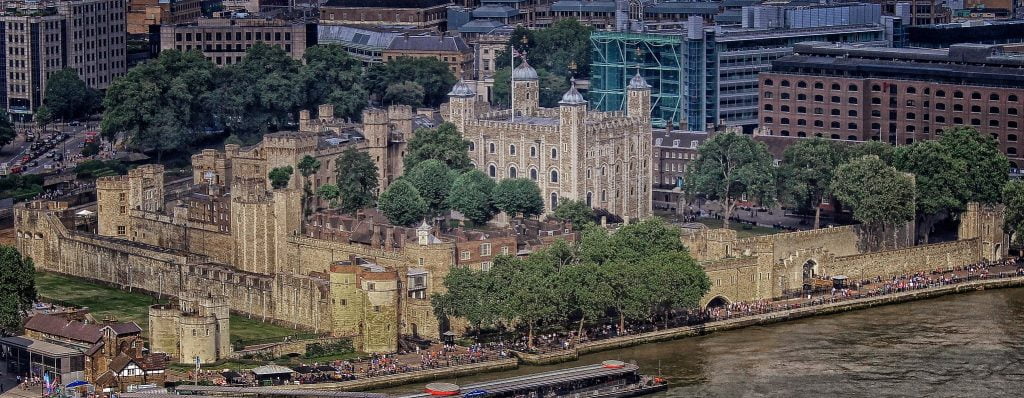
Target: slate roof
pixel 429 43
pixel 76 330
pixel 120 362
pixel 386 3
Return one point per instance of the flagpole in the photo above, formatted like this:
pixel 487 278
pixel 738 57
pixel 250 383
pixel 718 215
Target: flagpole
pixel 512 84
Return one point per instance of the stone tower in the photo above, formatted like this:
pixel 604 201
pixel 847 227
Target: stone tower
pixel 525 90
pixel 377 134
pixel 638 100
pixel 112 206
pixel 985 223
pixel 146 188
pixel 572 111
pixel 461 105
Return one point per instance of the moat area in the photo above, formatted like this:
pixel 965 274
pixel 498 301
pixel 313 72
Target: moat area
pixel 956 346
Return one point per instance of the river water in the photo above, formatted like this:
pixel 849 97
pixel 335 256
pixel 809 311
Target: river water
pixel 968 345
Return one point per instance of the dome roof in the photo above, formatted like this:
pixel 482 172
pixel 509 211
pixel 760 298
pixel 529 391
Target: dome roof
pixel 572 97
pixel 524 72
pixel 638 82
pixel 461 89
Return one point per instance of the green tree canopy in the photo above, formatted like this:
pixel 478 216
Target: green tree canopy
pixel 433 180
pixel 883 150
pixel 43 117
pixel 552 88
pixel 732 166
pixel 357 180
pixel 430 73
pixel 987 167
pixel 259 94
pixel 308 166
pixel 158 105
pixel 402 203
pixel 404 93
pixel 443 143
pixel 332 76
pixel 554 49
pixel 1013 198
pixel 7 133
pixel 279 176
pixel 17 289
pixel 330 193
pixel 806 173
pixel 939 179
pixel 471 195
pixel 575 211
pixel 518 196
pixel 878 194
pixel 68 97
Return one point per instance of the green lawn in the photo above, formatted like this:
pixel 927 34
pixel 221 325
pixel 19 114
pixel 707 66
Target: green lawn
pixel 104 301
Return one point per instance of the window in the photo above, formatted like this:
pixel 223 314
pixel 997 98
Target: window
pixel 533 174
pixel 819 111
pixel 784 108
pixel 801 97
pixel 876 101
pixel 801 122
pixel 492 171
pixel 911 90
pixel 485 249
pixel 975 122
pixel 819 123
pixel 819 85
pixel 768 82
pixel 801 109
pixel 1011 137
pixel 835 99
pixel 465 255
pixel 554 175
pixel 834 125
pixel 834 136
pixel 768 107
pixel 993 123
pixel 940 119
pixel 975 95
pixel 490 147
pixel 940 106
pixel 940 93
pixel 472 146
pixel 975 109
pixel 851 100
pixel 554 200
pixel 785 133
pixel 911 116
pixel 851 126
pixel 512 172
pixel 834 112
pixel 835 86
pixel 554 153
pixel 768 94
pixel 121 230
pixel 958 94
pixel 993 109
pixel 958 120
pixel 512 150
pixel 993 97
pixel 876 88
pixel 958 107
pixel 768 119
pixel 851 137
pixel 1011 98
pixel 1011 124
pixel 852 87
pixel 819 98
pixel 784 96
pixel 1011 111
pixel 785 83
pixel 852 113
pixel 801 84
pixel 533 151
pixel 784 120
pixel 486 266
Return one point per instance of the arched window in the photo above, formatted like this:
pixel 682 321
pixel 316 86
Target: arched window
pixel 472 146
pixel 819 98
pixel 801 84
pixel 876 126
pixel 1011 111
pixel 801 122
pixel 851 126
pixel 512 172
pixel 958 107
pixel 768 82
pixel 835 86
pixel 993 123
pixel 975 109
pixel 784 95
pixel 1011 124
pixel 851 100
pixel 819 123
pixel 1011 137
pixel 819 111
pixel 852 87
pixel 801 134
pixel 768 107
pixel 958 120
pixel 784 108
pixel 911 90
pixel 975 95
pixel 940 119
pixel 533 151
pixel 801 97
pixel 785 133
pixel 492 171
pixel 993 97
pixel 1011 151
pixel 768 94
pixel 554 200
pixel 958 94
pixel 835 99
pixel 589 198
pixel 784 120
pixel 940 93
pixel 911 129
pixel 785 83
pixel 876 88
pixel 1011 98
pixel 940 106
pixel 834 125
pixel 554 175
pixel 554 153
pixel 512 150
pixel 490 147
pixel 604 195
pixel 852 113
pixel 819 85
pixel 835 136
pixel 975 122
pixel 533 174
pixel 993 109
pixel 835 112
pixel 801 109
pixel 768 119
pixel 876 113
pixel 851 137
pixel 911 116
pixel 876 101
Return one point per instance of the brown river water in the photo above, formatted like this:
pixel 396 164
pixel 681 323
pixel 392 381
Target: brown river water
pixel 967 345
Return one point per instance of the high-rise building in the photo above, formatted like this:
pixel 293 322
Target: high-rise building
pixel 706 75
pixel 224 40
pixel 43 37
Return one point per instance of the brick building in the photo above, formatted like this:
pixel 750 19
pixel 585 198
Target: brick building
pixel 145 13
pixel 224 40
pixel 847 92
pixel 417 13
pixel 450 50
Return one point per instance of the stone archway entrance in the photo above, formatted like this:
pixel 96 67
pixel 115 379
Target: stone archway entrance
pixel 717 302
pixel 415 331
pixel 810 269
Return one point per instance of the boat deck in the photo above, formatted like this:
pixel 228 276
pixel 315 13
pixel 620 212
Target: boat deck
pixel 542 379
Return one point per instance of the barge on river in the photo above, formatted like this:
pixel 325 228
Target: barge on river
pixel 609 379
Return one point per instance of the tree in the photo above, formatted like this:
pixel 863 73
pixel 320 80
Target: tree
pixel 43 117
pixel 430 73
pixel 883 150
pixel 553 49
pixel 159 104
pixel 404 93
pixel 90 149
pixel 433 180
pixel 730 166
pixel 68 97
pixel 1013 198
pixel 332 76
pixel 7 133
pixel 357 180
pixel 518 196
pixel 807 172
pixel 308 166
pixel 987 167
pixel 939 180
pixel 330 193
pixel 17 289
pixel 279 176
pixel 529 290
pixel 443 143
pixel 878 193
pixel 402 203
pixel 575 211
pixel 471 195
pixel 260 93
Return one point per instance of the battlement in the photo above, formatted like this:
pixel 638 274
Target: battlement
pixel 375 116
pixel 292 140
pixel 400 112
pixel 112 182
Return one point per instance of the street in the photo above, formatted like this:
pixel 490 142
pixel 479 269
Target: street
pixel 71 147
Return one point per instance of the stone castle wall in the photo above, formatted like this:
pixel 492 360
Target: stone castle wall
pixel 904 261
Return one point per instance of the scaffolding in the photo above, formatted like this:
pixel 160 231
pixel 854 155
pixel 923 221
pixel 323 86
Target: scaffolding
pixel 658 58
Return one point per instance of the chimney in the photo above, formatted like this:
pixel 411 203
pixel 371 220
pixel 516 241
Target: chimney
pixel 389 242
pixel 401 238
pixel 375 236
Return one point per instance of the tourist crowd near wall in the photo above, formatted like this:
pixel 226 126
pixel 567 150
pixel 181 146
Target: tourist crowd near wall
pixel 765 267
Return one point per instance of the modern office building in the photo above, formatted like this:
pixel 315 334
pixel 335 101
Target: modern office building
pixel 707 75
pixel 945 35
pixel 898 95
pixel 145 13
pixel 224 40
pixel 43 37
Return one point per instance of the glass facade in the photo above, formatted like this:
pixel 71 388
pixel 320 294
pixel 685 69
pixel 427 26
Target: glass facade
pixel 699 79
